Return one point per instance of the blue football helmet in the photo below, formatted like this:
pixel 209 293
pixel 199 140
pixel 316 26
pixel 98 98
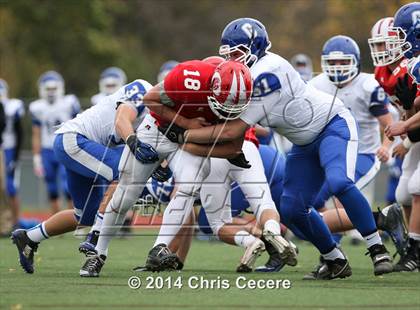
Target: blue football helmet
pixel 111 80
pixel 413 69
pixel 340 49
pixel 51 86
pixel 245 39
pixel 4 90
pixel 165 69
pixel 407 25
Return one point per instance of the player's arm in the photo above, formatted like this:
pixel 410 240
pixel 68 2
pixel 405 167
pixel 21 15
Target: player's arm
pixel 124 119
pixel 228 150
pixel 153 101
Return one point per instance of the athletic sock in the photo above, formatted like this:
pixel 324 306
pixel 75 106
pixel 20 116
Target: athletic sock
pixel 175 215
pixel 273 226
pixel 332 255
pixel 244 239
pixel 37 233
pixel 372 239
pixel 98 222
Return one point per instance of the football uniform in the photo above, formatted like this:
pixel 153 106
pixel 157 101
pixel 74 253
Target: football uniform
pixel 324 134
pixel 366 100
pixel 14 111
pixel 90 149
pixel 47 116
pixel 98 98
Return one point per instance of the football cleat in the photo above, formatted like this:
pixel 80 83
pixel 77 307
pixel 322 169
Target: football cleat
pixel 330 269
pixel 382 261
pixel 92 266
pixel 391 220
pixel 161 258
pixel 283 247
pixel 26 249
pixel 274 263
pixel 251 254
pixel 90 242
pixel 409 262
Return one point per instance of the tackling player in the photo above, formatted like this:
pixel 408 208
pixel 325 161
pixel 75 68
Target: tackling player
pixel 52 109
pixel 110 80
pixel 12 138
pixel 325 145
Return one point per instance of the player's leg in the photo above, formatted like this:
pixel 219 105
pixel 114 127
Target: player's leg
pixel 12 183
pixel 302 181
pixel 338 154
pixel 50 177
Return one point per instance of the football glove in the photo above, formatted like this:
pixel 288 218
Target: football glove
pixel 143 152
pixel 162 174
pixel 240 161
pixel 173 132
pixel 405 93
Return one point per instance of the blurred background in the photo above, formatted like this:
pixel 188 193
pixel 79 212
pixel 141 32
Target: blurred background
pixel 79 38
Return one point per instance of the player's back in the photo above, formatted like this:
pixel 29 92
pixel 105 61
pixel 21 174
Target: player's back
pixel 186 89
pixel 359 96
pixel 13 109
pixel 98 122
pixel 50 115
pixel 282 99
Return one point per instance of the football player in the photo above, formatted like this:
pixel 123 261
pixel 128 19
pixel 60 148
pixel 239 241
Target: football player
pixel 362 95
pixel 110 80
pixel 12 138
pixel 325 141
pixel 90 149
pixel 302 64
pixel 52 109
pixel 392 46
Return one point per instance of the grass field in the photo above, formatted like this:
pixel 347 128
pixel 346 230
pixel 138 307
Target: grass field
pixel 57 285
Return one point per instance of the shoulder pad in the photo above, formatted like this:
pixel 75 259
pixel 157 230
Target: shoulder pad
pixel 265 84
pixel 369 83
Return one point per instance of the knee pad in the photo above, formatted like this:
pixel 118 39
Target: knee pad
pixel 338 183
pixel 402 195
pixel 124 198
pixel 414 184
pixel 264 206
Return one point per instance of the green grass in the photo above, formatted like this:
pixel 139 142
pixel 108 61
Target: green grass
pixel 57 285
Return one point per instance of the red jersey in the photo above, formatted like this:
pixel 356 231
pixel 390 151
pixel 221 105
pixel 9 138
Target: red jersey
pixel 185 89
pixel 388 79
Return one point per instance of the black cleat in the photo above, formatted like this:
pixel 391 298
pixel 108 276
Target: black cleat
pixel 90 242
pixel 391 220
pixel 409 262
pixel 93 265
pixel 382 261
pixel 26 249
pixel 330 269
pixel 160 258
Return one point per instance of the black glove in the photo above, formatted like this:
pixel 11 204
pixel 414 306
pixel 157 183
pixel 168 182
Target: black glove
pixel 143 152
pixel 162 174
pixel 240 161
pixel 405 93
pixel 173 132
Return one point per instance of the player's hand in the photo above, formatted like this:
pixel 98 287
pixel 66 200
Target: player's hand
pixel 396 129
pixel 240 161
pixel 143 152
pixel 162 174
pixel 173 132
pixel 383 154
pixel 196 123
pixel 405 92
pixel 38 167
pixel 399 151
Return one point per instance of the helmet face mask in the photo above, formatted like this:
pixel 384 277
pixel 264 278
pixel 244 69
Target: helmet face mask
pixel 407 27
pixel 240 53
pixel 388 49
pixel 340 73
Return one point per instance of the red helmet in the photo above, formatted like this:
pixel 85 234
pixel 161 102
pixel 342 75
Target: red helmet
pixel 214 60
pixel 231 87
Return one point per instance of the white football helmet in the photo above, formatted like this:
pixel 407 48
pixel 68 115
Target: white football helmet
pixel 51 86
pixel 302 64
pixel 111 80
pixel 386 46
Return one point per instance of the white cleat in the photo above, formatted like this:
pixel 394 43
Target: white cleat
pixel 250 256
pixel 286 250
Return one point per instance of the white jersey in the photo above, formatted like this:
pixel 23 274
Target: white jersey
pixel 359 96
pixel 49 115
pixel 97 98
pixel 97 122
pixel 14 110
pixel 281 99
